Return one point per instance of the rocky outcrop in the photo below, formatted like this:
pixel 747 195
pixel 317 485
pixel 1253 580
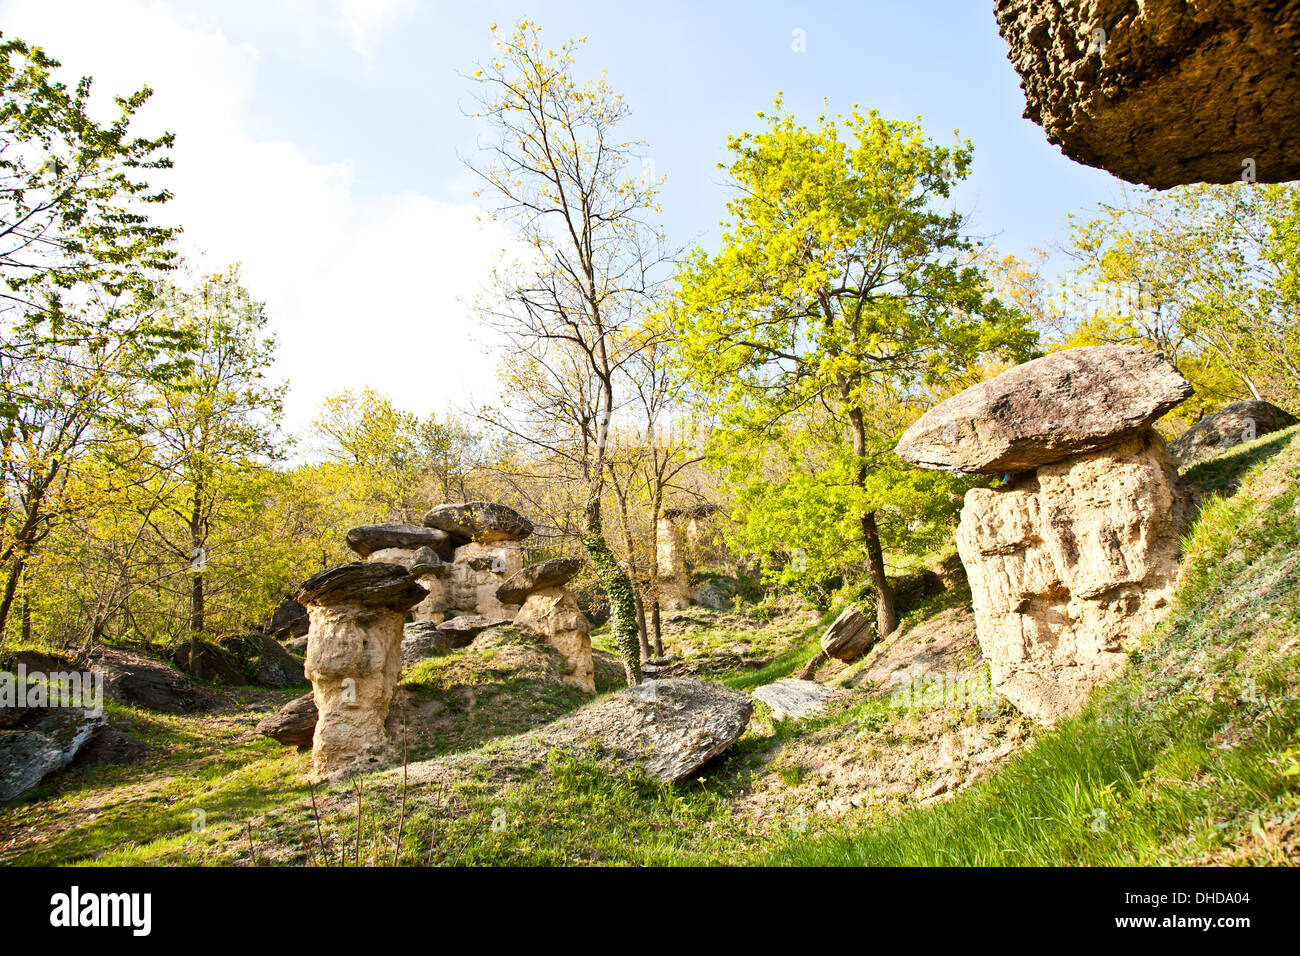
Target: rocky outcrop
pixel 484 522
pixel 1066 403
pixel 677 532
pixel 378 537
pixel 354 660
pixel 849 636
pixel 1231 425
pixel 476 574
pixel 1070 563
pixel 422 639
pixel 144 682
pixel 794 699
pixel 553 613
pixel 294 724
pixel 36 742
pixel 1163 93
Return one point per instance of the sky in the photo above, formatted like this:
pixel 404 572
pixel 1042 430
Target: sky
pixel 322 144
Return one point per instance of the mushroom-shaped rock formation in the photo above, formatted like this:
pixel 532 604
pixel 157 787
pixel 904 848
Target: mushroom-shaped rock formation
pixel 354 659
pixel 1163 92
pixel 546 574
pixel 485 522
pixel 553 613
pixel 1072 562
pixel 1066 403
pixel 370 538
pixel 1230 425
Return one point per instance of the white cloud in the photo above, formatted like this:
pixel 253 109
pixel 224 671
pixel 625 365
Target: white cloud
pixel 372 290
pixel 362 21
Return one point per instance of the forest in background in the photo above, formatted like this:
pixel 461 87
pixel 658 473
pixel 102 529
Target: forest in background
pixel 150 495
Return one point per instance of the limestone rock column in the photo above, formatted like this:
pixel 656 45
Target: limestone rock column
pixel 549 609
pixel 1073 557
pixel 354 658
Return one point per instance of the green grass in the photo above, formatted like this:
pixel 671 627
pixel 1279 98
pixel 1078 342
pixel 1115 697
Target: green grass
pixel 1190 756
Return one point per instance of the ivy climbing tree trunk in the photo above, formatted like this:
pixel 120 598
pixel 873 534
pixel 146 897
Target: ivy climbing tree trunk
pixel 618 588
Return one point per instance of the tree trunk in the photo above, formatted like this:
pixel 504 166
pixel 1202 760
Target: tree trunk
pixel 657 624
pixel 886 616
pixel 618 588
pixel 11 588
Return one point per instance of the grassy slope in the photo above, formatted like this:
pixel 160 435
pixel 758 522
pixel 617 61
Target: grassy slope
pixel 1189 757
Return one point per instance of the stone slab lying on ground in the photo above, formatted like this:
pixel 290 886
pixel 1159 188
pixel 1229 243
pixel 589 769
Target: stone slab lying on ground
pixel 462 630
pixel 1067 403
pixel 41 741
pixel 791 698
pixel 671 727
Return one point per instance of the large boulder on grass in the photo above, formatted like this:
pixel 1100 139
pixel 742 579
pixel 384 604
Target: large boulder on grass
pixel 141 681
pixel 849 636
pixel 1067 403
pixel 294 724
pixel 1231 425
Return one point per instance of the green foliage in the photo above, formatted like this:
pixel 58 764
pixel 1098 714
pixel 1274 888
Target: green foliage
pixel 842 294
pixel 1209 275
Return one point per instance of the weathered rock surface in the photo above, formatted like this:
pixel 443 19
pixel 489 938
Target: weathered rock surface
pixel 294 724
pixel 475 575
pixel 289 620
pixel 354 660
pixel 375 537
pixel 41 741
pixel 265 662
pixel 482 521
pixel 553 613
pixel 363 583
pixel 1067 403
pixel 462 630
pixel 297 646
pixel 849 636
pixel 422 639
pixel 1069 567
pixel 671 728
pixel 215 664
pixel 143 682
pixel 1170 92
pixel 110 746
pixel 546 574
pixel 792 699
pixel 425 561
pixel 1231 425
